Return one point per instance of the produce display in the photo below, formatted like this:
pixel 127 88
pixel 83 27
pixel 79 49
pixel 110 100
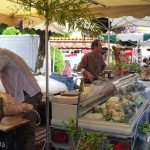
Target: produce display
pixel 121 107
pixel 134 68
pixel 145 75
pixel 115 109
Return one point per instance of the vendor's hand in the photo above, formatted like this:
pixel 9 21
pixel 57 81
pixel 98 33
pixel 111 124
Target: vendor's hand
pixel 89 76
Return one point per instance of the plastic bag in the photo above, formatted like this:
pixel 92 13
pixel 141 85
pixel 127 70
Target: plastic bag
pixel 66 70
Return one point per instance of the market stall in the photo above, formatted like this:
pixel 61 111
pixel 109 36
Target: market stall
pixel 123 94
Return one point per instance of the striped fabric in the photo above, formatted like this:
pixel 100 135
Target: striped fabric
pixel 16 75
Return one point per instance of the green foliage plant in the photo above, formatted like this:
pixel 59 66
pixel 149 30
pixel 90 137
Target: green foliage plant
pixel 87 139
pixel 134 67
pixel 144 127
pixel 2 27
pixel 11 31
pixel 58 61
pixel 71 13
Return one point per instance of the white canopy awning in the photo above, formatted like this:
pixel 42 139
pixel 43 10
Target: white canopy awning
pixel 111 9
pixel 130 36
pixel 119 8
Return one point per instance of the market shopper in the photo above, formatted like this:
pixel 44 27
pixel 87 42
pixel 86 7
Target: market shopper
pixel 19 82
pixel 92 63
pixel 104 54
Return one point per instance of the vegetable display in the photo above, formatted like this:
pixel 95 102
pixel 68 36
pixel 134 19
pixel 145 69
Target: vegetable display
pixel 134 68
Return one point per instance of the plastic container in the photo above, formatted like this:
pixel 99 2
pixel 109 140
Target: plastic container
pixel 68 81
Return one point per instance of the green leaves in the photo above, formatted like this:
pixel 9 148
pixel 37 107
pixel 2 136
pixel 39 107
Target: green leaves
pixel 73 13
pixel 87 139
pixel 11 31
pixel 134 67
pixel 144 127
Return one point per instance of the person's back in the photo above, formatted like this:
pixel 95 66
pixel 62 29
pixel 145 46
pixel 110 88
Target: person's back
pixel 16 75
pixel 20 83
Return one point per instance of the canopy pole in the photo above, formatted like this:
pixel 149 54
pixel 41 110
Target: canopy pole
pixel 48 140
pixel 108 41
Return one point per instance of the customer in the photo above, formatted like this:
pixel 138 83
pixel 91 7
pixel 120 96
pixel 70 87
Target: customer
pixel 19 82
pixel 144 62
pixel 92 64
pixel 104 54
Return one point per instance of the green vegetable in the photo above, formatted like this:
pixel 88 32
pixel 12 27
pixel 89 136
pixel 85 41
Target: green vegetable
pixel 108 116
pixel 87 139
pixel 134 67
pixel 144 127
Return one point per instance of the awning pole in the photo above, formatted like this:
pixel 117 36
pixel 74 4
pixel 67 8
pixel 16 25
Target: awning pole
pixel 108 42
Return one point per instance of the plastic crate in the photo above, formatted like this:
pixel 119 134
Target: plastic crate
pixel 7 140
pixel 68 81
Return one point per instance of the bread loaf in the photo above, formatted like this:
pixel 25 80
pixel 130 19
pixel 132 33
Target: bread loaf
pixel 13 107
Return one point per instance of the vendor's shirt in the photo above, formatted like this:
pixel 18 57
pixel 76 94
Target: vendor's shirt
pixel 92 63
pixel 16 76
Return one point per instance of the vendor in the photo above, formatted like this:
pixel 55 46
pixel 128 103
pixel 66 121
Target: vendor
pixel 92 63
pixel 19 82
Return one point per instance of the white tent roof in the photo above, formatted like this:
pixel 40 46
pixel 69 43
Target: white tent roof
pixel 118 8
pixel 129 21
pixel 138 37
pixel 130 36
pixel 111 9
pixel 54 27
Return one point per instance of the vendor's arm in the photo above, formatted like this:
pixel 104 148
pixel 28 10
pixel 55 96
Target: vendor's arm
pixel 82 68
pixel 103 66
pixel 87 74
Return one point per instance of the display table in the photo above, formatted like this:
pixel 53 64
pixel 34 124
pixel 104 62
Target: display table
pixel 7 133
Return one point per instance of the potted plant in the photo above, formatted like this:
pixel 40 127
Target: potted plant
pixel 143 136
pixel 87 140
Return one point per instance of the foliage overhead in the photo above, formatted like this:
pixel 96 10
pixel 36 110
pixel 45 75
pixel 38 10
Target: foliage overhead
pixel 2 27
pixel 71 13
